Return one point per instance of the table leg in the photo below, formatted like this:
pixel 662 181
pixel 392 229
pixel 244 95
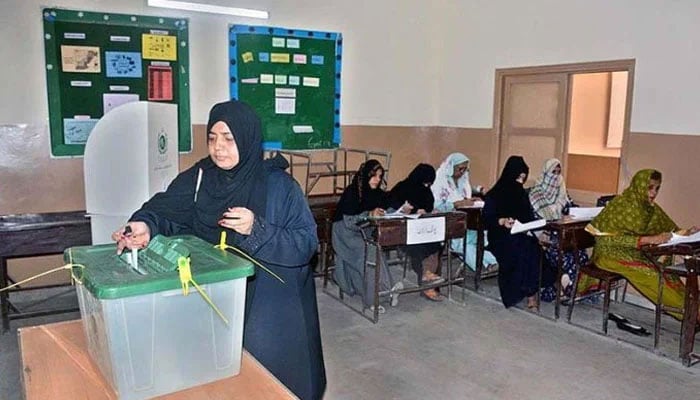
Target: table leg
pixel 4 300
pixel 691 312
pixel 560 267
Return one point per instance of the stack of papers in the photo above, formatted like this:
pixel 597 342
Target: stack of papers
pixel 584 213
pixel 678 239
pixel 477 204
pixel 399 214
pixel 519 227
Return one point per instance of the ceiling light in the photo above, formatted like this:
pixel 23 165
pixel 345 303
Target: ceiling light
pixel 208 8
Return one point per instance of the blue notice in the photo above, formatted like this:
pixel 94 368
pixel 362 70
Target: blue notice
pixel 76 131
pixel 264 57
pixel 123 64
pixel 318 60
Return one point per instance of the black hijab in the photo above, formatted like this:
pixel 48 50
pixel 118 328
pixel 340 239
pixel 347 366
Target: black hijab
pixel 359 196
pixel 245 185
pixel 509 195
pixel 413 189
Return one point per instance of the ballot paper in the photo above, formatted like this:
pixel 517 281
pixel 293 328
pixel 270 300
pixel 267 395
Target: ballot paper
pixel 584 213
pixel 679 239
pixel 519 227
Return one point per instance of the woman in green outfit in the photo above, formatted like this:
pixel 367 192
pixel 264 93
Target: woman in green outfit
pixel 632 220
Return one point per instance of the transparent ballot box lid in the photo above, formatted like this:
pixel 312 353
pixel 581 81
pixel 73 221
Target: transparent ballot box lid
pixel 110 276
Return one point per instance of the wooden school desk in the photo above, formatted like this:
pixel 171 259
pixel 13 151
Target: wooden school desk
pixel 689 270
pixel 475 222
pixel 55 364
pixel 572 237
pixel 32 235
pixel 392 233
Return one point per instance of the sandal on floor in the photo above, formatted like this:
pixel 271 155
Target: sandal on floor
pixel 435 279
pixel 618 318
pixel 633 329
pixel 436 298
pixel 382 310
pixel 490 269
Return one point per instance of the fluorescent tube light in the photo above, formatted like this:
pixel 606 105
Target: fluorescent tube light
pixel 208 8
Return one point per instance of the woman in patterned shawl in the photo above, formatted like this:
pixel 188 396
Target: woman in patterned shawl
pixel 548 198
pixel 628 222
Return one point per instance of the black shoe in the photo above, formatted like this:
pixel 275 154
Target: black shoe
pixel 633 329
pixel 618 318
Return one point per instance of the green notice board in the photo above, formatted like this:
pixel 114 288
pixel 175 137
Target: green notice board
pixel 98 61
pixel 291 78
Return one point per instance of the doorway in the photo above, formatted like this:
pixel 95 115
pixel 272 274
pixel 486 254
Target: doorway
pixel 578 113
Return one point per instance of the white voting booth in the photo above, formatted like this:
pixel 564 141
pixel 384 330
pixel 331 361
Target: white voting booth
pixel 130 155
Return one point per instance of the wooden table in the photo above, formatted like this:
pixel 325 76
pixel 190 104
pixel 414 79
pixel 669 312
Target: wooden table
pixel 32 235
pixel 572 237
pixel 390 233
pixel 323 209
pixel 56 365
pixel 691 255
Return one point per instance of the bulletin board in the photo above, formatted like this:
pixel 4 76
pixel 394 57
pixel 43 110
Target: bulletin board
pixel 98 61
pixel 291 78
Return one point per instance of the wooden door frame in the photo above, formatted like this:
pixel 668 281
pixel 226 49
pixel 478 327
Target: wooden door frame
pixel 570 69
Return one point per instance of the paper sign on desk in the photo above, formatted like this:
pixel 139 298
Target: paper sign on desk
pixel 584 213
pixel 425 230
pixel 679 239
pixel 519 227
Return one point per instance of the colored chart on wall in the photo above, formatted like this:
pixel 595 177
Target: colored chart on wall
pixel 98 61
pixel 291 78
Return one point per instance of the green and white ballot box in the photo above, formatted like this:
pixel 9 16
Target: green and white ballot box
pixel 150 333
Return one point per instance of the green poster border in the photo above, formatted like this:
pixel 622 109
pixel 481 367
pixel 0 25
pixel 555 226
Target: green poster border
pixel 179 25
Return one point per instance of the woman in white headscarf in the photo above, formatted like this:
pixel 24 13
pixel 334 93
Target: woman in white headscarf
pixel 453 190
pixel 549 198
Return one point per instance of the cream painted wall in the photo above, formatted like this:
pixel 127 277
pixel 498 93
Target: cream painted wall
pixel 482 35
pixel 590 106
pixel 416 63
pixel 389 73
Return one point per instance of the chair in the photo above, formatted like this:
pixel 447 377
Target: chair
pixel 580 239
pixel 608 281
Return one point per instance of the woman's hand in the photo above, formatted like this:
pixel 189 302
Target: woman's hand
pixel 377 212
pixel 239 219
pixel 656 239
pixel 464 203
pixel 421 211
pixel 506 222
pixel 134 235
pixel 406 208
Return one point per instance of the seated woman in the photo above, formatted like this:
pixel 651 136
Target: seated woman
pixel 415 192
pixel 518 255
pixel 628 222
pixel 549 198
pixel 363 198
pixel 452 190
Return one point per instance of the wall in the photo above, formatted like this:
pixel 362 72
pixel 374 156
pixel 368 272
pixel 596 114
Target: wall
pixel 479 36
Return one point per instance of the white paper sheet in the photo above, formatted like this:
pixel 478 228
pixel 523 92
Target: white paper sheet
pixel 285 105
pixel 678 239
pixel 584 213
pixel 520 227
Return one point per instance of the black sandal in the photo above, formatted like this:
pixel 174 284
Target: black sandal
pixel 633 329
pixel 618 318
